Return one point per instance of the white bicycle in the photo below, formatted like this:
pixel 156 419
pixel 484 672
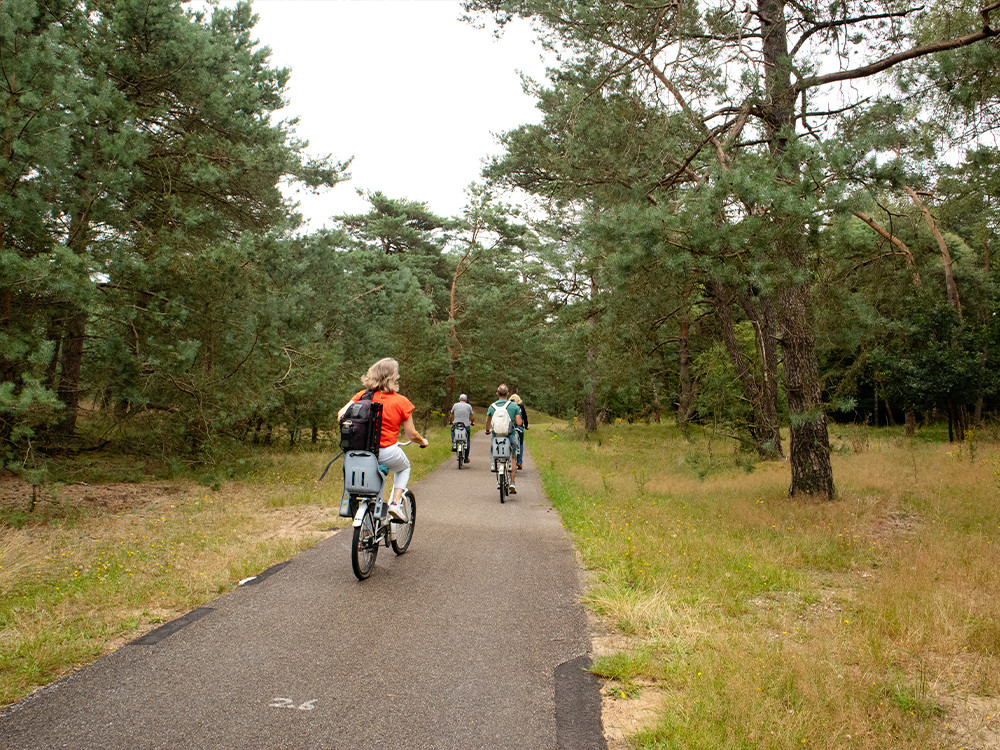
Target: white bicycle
pixel 364 484
pixel 500 456
pixel 461 441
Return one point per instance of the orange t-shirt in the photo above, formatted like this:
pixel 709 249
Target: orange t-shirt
pixel 395 409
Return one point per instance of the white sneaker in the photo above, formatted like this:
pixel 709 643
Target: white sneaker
pixel 397 511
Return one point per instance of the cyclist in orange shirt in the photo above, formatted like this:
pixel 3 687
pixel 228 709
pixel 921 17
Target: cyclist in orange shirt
pixel 397 412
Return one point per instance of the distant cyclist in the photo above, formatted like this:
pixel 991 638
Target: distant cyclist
pixel 503 397
pixel 520 429
pixel 397 411
pixel 461 413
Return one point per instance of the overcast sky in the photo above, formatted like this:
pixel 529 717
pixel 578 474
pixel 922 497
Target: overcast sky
pixel 415 95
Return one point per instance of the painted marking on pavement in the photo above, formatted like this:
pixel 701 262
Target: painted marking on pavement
pixel 309 705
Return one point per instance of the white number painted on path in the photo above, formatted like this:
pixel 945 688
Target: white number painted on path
pixel 289 703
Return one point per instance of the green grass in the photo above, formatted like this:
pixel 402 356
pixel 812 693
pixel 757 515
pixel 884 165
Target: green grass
pixel 867 622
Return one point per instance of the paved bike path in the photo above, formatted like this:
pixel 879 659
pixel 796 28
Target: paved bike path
pixel 471 640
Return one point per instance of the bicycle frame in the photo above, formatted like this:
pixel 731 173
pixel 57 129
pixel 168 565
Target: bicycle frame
pixel 364 484
pixel 500 455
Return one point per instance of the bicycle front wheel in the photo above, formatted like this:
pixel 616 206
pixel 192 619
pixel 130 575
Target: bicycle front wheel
pixel 364 547
pixel 404 531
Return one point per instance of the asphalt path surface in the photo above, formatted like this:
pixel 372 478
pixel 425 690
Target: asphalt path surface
pixel 473 639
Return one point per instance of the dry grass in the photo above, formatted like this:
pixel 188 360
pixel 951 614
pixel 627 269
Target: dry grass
pixel 756 621
pixel 97 565
pixel 72 591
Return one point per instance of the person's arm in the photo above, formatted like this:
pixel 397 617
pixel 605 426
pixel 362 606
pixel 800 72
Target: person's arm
pixel 411 432
pixel 344 408
pixel 489 421
pixel 517 420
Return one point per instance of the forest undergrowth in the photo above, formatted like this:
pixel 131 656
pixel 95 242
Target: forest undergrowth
pixel 732 616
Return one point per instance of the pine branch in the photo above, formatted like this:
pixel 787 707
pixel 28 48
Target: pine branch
pixel 847 22
pixel 885 63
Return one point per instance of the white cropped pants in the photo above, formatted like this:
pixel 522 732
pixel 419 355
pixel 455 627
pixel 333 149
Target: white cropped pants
pixel 395 459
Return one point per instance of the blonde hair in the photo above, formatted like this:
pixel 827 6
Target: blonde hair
pixel 516 399
pixel 382 376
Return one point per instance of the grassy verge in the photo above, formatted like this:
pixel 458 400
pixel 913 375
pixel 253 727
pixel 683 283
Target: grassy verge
pixel 95 565
pixel 754 621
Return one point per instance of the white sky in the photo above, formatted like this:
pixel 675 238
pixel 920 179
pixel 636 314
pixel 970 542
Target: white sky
pixel 413 93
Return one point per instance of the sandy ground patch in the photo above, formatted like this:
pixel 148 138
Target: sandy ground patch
pixel 113 497
pixel 622 716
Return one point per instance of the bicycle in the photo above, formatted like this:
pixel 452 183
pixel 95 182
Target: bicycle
pixel 461 441
pixel 364 484
pixel 500 456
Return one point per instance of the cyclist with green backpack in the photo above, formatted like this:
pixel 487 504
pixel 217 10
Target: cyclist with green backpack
pixel 504 424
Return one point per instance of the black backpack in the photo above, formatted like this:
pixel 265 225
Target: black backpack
pixel 361 425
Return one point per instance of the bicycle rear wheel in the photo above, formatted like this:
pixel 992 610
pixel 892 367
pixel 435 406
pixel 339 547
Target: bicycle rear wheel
pixel 364 548
pixel 502 479
pixel 461 455
pixel 404 531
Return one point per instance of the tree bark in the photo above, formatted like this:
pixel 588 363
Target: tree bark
pixel 949 277
pixel 71 367
pixel 76 328
pixel 685 386
pixel 765 429
pixel 654 391
pixel 812 473
pixel 762 317
pixel 590 396
pixel 898 243
pixel 454 345
pixel 52 369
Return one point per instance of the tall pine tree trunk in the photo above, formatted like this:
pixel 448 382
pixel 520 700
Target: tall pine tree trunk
pixel 590 395
pixel 71 365
pixel 760 311
pixel 761 392
pixel 654 393
pixel 809 450
pixel 686 395
pixel 454 345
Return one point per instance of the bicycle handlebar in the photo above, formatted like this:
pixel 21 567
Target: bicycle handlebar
pixel 407 443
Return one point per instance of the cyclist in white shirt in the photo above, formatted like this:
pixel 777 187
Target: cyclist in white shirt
pixel 461 413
